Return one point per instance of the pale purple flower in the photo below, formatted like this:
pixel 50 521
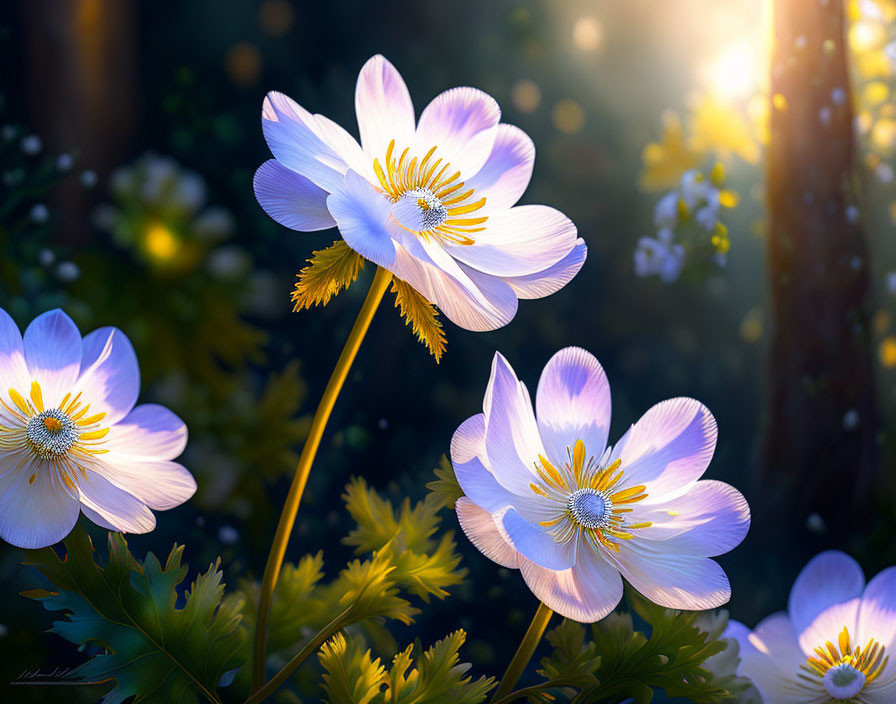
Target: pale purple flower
pixel 432 201
pixel 547 496
pixel 835 642
pixel 71 438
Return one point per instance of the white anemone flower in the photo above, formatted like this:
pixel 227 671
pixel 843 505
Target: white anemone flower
pixel 835 642
pixel 71 438
pixel 432 201
pixel 547 496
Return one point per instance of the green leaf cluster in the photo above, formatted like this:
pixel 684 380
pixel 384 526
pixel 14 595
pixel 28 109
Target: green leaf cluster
pixel 153 650
pixel 416 676
pixel 681 655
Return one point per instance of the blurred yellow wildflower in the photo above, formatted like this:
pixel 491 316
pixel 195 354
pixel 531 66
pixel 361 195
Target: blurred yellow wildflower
pixel 724 130
pixel 665 161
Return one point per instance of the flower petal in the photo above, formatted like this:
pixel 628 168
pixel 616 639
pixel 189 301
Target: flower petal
pixel 485 532
pixel 160 484
pixel 669 448
pixel 877 614
pixel 586 592
pixel 463 124
pixel 115 506
pixel 13 370
pixel 506 174
pixel 520 241
pixel 511 436
pixel 362 215
pixel 34 515
pixel 771 657
pixel 52 346
pixel 470 299
pixel 383 107
pixel 148 431
pixel 535 544
pixel 110 375
pixel 468 440
pixel 711 519
pixel 467 449
pixel 830 578
pixel 552 279
pixel 293 137
pixel 573 403
pixel 671 579
pixel 291 199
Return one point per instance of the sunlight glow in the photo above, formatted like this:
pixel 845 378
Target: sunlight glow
pixel 734 73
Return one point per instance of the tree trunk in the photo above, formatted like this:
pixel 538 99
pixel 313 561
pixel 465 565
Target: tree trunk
pixel 819 451
pixel 81 77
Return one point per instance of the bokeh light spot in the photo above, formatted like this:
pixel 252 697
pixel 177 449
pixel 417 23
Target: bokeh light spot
pixel 276 17
pixel 526 95
pixel 243 63
pixel 587 33
pixel 568 116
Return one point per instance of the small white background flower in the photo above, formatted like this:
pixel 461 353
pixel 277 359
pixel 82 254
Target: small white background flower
pixel 432 201
pixel 836 642
pixel 545 494
pixel 71 438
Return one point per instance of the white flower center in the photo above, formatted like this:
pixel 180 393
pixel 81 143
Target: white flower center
pixel 589 507
pixel 51 433
pixel 420 210
pixel 429 197
pixel 844 681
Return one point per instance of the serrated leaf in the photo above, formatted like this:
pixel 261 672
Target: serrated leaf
pixel 422 316
pixel 329 271
pixel 352 676
pixel 154 650
pixel 444 490
pixel 416 676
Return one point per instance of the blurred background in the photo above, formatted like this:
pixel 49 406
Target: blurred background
pixel 129 134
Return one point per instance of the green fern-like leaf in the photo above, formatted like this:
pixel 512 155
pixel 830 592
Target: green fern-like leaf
pixel 329 271
pixel 155 651
pixel 416 676
pixel 444 490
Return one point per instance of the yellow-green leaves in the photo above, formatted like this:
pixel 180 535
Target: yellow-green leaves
pixel 421 316
pixel 417 676
pixel 444 490
pixel 329 271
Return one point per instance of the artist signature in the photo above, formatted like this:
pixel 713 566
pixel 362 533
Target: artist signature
pixel 58 675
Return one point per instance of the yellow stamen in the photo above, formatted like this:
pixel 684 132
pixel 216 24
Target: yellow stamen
pixel 36 396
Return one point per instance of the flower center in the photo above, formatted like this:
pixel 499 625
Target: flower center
pixel 845 671
pixel 428 198
pixel 61 438
pixel 588 505
pixel 51 433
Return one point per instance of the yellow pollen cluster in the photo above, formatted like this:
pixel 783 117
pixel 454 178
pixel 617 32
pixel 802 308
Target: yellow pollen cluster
pixel 591 506
pixel 870 660
pixel 442 188
pixel 57 437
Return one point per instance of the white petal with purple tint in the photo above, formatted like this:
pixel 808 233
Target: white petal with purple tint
pixel 52 346
pixel 35 514
pixel 291 199
pixel 110 377
pixel 383 107
pixel 552 279
pixel 507 171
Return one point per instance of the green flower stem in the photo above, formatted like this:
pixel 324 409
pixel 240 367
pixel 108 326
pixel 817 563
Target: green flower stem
pixel 327 632
pixel 291 507
pixel 524 652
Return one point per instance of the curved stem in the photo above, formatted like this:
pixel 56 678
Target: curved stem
pixel 327 632
pixel 291 507
pixel 524 652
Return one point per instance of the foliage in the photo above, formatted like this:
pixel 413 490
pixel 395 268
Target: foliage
pixel 329 271
pixel 619 661
pixel 436 675
pixel 421 316
pixel 444 490
pixel 153 650
pixel 400 555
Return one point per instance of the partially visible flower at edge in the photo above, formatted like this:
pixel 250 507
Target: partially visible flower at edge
pixel 431 201
pixel 836 641
pixel 71 437
pixel 545 494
